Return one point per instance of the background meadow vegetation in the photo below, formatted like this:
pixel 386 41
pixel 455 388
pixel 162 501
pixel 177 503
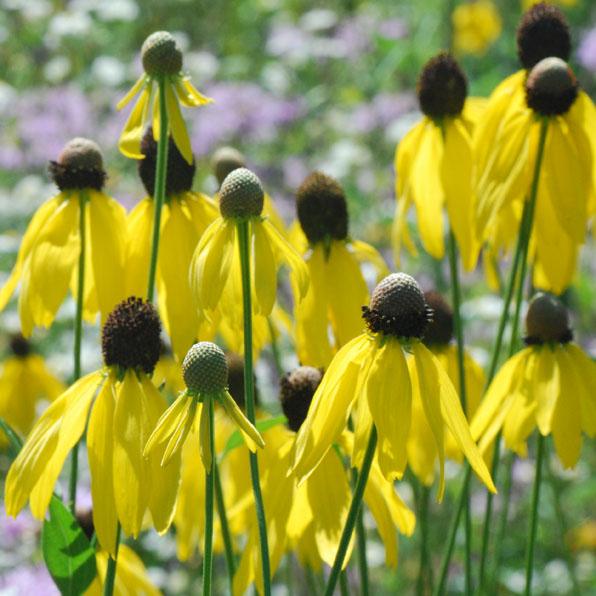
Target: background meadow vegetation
pixel 296 87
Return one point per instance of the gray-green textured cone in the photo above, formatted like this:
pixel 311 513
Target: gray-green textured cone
pixel 161 55
pixel 205 368
pixel 241 194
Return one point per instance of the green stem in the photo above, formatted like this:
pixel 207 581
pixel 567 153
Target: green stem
pixel 352 513
pixel 534 516
pixel 311 582
pixel 108 584
pixel 78 333
pixel 520 261
pixel 344 589
pixel 424 583
pixel 225 528
pixel 459 335
pixel 209 490
pixel 362 562
pixel 243 227
pixel 160 184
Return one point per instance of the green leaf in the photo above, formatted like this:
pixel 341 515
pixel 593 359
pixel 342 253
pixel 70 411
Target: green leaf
pixel 236 440
pixel 14 439
pixel 67 551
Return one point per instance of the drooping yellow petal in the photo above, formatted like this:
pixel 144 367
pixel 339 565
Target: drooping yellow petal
pixel 330 407
pixel 264 270
pixel 155 115
pixel 177 126
pixel 139 232
pixel 211 263
pixel 346 293
pixel 100 446
pixel 133 91
pixel 284 252
pixel 366 252
pixel 547 387
pixel 107 225
pixel 131 431
pixel 38 464
pixel 437 390
pixel 364 420
pixel 329 497
pixel 37 223
pixel 130 139
pixel 189 96
pixel 250 434
pixel 389 395
pixel 585 369
pixel 49 267
pixel 205 432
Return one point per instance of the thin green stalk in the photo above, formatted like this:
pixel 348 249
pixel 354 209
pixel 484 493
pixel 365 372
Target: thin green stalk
pixel 108 584
pixel 160 184
pixel 78 333
pixel 352 513
pixel 563 529
pixel 519 263
pixel 249 390
pixel 534 515
pixel 343 583
pixel 311 581
pixel 209 490
pixel 225 528
pixel 459 336
pixel 424 583
pixel 362 562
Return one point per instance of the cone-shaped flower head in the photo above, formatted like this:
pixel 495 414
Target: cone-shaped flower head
pixel 370 373
pixel 442 87
pixel 543 31
pixel 241 194
pixel 551 87
pixel 547 320
pixel 205 372
pixel 130 336
pixel 296 391
pixel 162 61
pixel 321 207
pixel 226 160
pixel 51 246
pixel 440 330
pixel 179 173
pixel 434 165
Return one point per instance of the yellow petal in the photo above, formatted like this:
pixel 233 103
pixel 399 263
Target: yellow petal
pixel 38 464
pixel 100 443
pixel 264 270
pixel 547 388
pixel 366 252
pixel 133 91
pixel 188 95
pixel 131 430
pixel 211 263
pixel 205 432
pixel 585 369
pixel 389 395
pixel 130 139
pixel 139 232
pixel 249 433
pixel 177 125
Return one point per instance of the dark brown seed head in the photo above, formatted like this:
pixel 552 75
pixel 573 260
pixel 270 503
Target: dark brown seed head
pixel 130 336
pixel 179 173
pixel 543 31
pixel 397 307
pixel 296 392
pixel 440 331
pixel 551 87
pixel 19 345
pixel 205 368
pixel 442 87
pixel 79 165
pixel 161 55
pixel 322 209
pixel 226 160
pixel 241 194
pixel 547 320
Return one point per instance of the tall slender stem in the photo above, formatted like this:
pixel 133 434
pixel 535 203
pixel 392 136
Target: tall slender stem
pixel 225 528
pixel 362 562
pixel 459 336
pixel 243 228
pixel 108 583
pixel 209 489
pixel 344 589
pixel 424 583
pixel 352 513
pixel 160 184
pixel 534 516
pixel 78 333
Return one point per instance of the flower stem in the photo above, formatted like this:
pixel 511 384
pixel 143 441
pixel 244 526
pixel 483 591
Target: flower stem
pixel 225 528
pixel 459 335
pixel 424 584
pixel 78 333
pixel 160 184
pixel 243 228
pixel 534 516
pixel 352 513
pixel 209 489
pixel 362 563
pixel 344 589
pixel 108 584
